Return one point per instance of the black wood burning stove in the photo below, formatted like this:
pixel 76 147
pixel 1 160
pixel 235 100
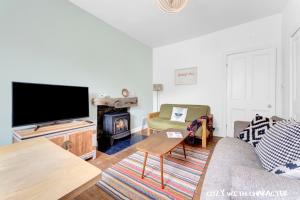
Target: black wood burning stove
pixel 116 125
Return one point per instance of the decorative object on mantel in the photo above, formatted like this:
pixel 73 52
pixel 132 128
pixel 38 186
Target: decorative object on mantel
pixel 157 88
pixel 172 6
pixel 103 96
pixel 125 92
pixel 116 102
pixel 186 76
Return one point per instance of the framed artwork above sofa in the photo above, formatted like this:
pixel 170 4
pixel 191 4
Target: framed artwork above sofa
pixel 186 76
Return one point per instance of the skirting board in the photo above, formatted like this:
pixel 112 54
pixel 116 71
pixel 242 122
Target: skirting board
pixel 143 126
pixel 138 129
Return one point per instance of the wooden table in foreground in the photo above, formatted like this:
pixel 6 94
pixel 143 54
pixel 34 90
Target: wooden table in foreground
pixel 39 169
pixel 159 144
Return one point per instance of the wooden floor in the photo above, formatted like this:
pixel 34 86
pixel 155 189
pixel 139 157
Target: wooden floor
pixel 104 161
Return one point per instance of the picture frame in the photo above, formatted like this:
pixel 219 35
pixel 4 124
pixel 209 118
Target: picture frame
pixel 186 76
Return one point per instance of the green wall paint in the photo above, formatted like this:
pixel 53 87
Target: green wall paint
pixel 53 41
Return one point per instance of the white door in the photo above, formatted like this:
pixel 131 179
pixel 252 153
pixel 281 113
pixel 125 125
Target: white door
pixel 295 109
pixel 251 86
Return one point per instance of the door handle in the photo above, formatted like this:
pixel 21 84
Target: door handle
pixel 269 106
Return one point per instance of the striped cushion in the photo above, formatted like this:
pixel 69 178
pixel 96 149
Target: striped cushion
pixel 290 170
pixel 280 145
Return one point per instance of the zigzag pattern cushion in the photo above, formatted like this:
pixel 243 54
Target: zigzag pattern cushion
pixel 290 170
pixel 256 130
pixel 280 145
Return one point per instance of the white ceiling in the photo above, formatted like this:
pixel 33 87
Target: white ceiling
pixel 144 21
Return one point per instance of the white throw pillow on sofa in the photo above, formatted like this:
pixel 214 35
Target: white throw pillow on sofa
pixel 179 114
pixel 290 170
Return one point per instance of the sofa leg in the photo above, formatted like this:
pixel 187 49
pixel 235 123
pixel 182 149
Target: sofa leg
pixel 149 131
pixel 204 143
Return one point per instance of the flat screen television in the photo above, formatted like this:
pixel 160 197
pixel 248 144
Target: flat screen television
pixel 39 103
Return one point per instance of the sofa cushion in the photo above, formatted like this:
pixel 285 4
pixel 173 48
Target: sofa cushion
pixel 249 180
pixel 194 111
pixel 165 111
pixel 164 124
pixel 228 152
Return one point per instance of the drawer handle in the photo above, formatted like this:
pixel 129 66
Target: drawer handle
pixel 67 145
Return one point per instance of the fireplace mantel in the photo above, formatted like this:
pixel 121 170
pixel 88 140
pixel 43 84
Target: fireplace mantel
pixel 116 102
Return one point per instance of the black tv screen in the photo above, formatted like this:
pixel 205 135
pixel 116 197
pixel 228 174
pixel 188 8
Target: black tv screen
pixel 39 103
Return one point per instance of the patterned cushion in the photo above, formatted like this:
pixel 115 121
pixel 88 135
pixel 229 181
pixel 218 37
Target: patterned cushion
pixel 291 170
pixel 178 114
pixel 255 131
pixel 280 145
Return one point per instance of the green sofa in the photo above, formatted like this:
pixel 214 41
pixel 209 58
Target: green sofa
pixel 161 120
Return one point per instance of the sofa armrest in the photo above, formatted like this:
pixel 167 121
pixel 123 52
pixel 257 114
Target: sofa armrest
pixel 153 115
pixel 239 126
pixel 204 132
pixel 277 119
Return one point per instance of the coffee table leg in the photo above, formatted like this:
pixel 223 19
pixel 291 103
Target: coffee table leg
pixel 162 172
pixel 145 161
pixel 184 149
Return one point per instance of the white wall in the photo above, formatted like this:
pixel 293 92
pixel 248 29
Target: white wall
pixel 290 23
pixel 55 42
pixel 208 53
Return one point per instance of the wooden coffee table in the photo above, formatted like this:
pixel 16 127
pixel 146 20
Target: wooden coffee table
pixel 158 144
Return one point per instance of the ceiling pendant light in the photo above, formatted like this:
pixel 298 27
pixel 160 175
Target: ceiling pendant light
pixel 172 6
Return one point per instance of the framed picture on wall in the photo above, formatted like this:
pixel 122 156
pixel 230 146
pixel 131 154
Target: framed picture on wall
pixel 186 76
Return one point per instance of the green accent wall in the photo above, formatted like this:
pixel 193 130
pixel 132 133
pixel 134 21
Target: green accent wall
pixel 55 42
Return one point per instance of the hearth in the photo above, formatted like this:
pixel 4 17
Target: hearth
pixel 116 125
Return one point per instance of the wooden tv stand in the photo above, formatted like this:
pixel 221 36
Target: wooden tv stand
pixel 78 137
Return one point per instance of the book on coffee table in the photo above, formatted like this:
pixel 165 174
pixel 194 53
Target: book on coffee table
pixel 174 135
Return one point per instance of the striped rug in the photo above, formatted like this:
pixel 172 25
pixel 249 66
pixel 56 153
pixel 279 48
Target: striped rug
pixel 123 180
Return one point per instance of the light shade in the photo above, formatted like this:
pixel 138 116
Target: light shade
pixel 157 87
pixel 172 6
